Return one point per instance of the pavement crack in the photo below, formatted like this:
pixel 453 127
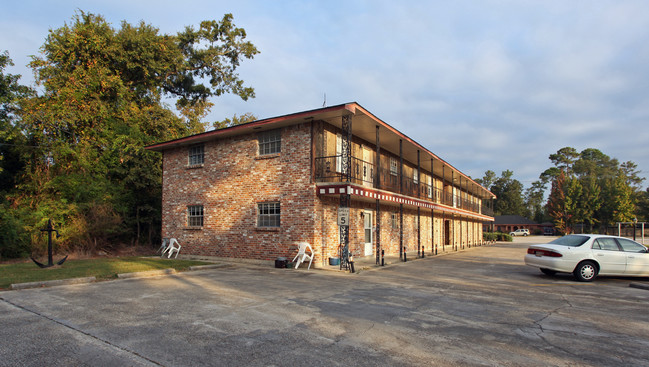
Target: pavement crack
pixel 73 328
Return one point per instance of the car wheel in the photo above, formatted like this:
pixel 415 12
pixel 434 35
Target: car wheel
pixel 525 235
pixel 548 271
pixel 586 271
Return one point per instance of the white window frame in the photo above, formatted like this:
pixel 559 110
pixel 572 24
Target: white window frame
pixel 270 142
pixel 196 155
pixel 269 214
pixel 394 167
pixel 195 215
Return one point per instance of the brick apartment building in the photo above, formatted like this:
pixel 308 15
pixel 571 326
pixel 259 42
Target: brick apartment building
pixel 255 190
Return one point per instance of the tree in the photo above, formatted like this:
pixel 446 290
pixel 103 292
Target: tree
pixel 564 159
pixel 534 204
pixel 487 180
pixel 14 242
pixel 590 200
pixel 235 120
pixel 102 103
pixel 618 205
pixel 509 195
pixel 556 204
pixel 10 138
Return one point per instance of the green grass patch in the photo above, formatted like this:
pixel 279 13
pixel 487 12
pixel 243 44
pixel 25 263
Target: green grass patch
pixel 102 269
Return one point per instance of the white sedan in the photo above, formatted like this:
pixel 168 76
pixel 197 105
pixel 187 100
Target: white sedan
pixel 589 255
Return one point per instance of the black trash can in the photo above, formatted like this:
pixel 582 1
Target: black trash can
pixel 280 262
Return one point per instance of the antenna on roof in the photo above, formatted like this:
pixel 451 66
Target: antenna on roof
pixel 324 104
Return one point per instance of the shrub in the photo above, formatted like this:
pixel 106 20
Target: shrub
pixel 496 236
pixel 14 240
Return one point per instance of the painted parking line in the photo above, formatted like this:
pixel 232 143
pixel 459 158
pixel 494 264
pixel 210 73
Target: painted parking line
pixel 553 284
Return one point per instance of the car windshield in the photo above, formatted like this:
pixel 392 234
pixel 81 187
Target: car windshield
pixel 570 240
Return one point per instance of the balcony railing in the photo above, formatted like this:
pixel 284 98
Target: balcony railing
pixel 329 169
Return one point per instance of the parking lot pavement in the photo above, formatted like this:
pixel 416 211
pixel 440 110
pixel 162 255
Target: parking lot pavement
pixel 478 307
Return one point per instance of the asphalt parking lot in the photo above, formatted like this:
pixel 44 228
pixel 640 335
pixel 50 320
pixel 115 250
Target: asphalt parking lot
pixel 480 307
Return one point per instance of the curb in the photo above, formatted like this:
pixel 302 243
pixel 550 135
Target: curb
pixel 148 273
pixel 52 283
pixel 201 267
pixel 639 286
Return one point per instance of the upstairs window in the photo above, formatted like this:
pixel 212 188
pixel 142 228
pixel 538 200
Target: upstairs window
pixel 196 155
pixel 415 176
pixel 195 215
pixel 394 167
pixel 268 214
pixel 270 142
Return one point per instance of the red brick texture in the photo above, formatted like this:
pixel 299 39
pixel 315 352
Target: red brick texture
pixel 232 181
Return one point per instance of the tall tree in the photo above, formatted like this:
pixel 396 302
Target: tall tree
pixel 14 241
pixel 556 204
pixel 509 195
pixel 534 196
pixel 564 159
pixel 103 102
pixel 487 180
pixel 590 200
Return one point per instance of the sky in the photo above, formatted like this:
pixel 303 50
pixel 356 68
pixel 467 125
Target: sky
pixel 485 85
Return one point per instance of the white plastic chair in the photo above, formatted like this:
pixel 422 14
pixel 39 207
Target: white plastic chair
pixel 171 248
pixel 163 247
pixel 301 254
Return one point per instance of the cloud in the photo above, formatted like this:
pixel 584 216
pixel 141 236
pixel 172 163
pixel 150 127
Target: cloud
pixel 486 85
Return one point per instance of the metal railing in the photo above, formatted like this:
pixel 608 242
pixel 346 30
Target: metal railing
pixel 330 169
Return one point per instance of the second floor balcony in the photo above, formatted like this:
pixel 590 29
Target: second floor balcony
pixel 329 169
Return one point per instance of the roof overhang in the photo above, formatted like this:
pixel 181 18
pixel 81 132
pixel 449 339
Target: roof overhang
pixel 364 125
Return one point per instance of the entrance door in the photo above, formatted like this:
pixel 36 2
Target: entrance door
pixel 367 224
pixel 368 167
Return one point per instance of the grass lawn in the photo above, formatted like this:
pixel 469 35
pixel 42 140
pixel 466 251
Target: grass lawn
pixel 102 269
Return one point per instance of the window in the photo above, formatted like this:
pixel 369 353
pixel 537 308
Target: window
pixel 268 215
pixel 415 176
pixel 608 244
pixel 270 142
pixel 195 215
pixel 630 246
pixel 393 167
pixel 395 221
pixel 196 155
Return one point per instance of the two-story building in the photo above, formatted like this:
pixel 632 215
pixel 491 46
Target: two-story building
pixel 255 190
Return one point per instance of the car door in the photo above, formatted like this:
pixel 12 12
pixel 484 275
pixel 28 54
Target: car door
pixel 607 253
pixel 637 258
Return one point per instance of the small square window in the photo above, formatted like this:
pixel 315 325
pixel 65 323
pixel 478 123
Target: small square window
pixel 195 215
pixel 196 155
pixel 268 215
pixel 270 142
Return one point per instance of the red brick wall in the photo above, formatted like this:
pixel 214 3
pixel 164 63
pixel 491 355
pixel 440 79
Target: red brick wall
pixel 229 185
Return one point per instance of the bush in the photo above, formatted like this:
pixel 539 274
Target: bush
pixel 14 240
pixel 496 236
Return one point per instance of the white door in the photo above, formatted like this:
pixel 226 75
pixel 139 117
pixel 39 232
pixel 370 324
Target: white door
pixel 367 224
pixel 637 258
pixel 609 256
pixel 368 167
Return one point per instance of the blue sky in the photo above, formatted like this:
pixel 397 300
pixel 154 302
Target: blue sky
pixel 483 84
